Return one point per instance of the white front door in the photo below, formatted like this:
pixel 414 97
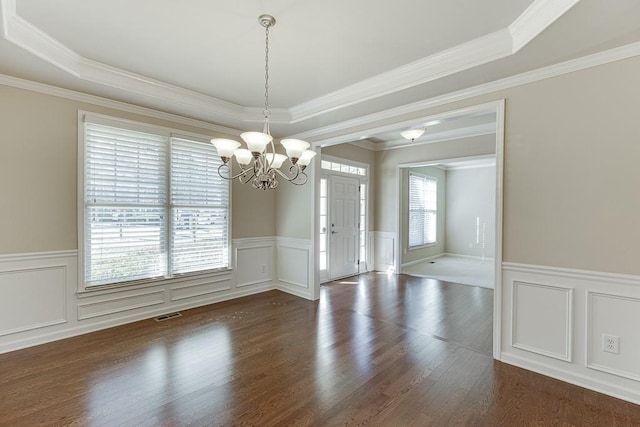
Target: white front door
pixel 343 226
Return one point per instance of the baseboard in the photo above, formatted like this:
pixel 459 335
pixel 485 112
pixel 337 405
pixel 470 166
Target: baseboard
pixel 479 258
pixel 604 387
pixel 418 261
pixel 294 290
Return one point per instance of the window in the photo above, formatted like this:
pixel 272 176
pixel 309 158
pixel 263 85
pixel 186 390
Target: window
pixel 423 208
pixel 154 205
pixel 323 223
pixel 362 223
pixel 341 167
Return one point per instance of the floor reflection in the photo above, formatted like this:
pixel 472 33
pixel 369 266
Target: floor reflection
pixel 156 378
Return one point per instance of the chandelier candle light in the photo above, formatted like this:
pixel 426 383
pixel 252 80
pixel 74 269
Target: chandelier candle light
pixel 259 165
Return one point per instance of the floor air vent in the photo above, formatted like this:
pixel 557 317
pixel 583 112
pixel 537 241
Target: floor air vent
pixel 167 317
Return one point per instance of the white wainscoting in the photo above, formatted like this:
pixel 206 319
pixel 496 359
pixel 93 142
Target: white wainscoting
pixel 549 335
pixel 383 244
pixel 254 261
pixel 557 319
pixel 614 315
pixel 34 291
pixel 40 301
pixel 295 267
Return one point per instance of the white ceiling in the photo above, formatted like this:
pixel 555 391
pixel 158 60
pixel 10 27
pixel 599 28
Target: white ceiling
pixel 331 61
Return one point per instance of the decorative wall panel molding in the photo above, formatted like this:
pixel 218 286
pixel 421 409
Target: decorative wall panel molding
pixel 383 244
pixel 33 297
pixel 294 266
pixel 200 288
pixel 254 262
pixel 617 316
pixel 119 303
pixel 542 319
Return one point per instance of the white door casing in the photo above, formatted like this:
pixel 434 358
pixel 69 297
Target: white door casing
pixel 343 227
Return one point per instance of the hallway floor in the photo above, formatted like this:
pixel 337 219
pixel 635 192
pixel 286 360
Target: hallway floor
pixel 456 269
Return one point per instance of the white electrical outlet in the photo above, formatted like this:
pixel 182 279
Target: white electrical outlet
pixel 610 343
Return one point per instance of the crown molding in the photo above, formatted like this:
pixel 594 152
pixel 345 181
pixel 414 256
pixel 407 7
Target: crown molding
pixel 323 134
pixel 22 33
pixel 459 58
pixel 366 144
pixel 535 19
pixel 502 43
pixel 109 103
pixel 353 135
pixel 472 166
pixel 448 135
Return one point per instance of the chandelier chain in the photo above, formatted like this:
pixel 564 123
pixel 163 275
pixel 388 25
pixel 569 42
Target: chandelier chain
pixel 266 73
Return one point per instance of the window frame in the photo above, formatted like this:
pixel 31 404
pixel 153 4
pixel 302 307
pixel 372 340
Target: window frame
pixel 435 240
pixel 168 133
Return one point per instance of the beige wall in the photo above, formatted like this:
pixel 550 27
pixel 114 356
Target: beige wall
pixel 571 174
pixel 294 209
pixel 471 212
pixel 570 178
pixel 409 255
pixel 38 168
pixel 571 170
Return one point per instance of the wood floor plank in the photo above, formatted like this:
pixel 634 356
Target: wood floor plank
pixel 376 349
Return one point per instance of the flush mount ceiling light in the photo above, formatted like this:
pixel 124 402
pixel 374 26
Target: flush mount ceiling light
pixel 259 162
pixel 412 134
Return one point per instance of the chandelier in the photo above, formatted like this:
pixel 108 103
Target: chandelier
pixel 259 163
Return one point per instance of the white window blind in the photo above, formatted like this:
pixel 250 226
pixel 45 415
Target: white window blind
pixel 423 207
pixel 135 228
pixel 199 208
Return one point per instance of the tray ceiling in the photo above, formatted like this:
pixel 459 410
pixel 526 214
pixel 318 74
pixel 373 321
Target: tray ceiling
pixel 330 61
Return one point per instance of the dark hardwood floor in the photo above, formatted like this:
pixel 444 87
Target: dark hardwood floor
pixel 375 350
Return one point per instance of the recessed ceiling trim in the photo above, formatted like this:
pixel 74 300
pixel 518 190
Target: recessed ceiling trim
pixel 499 44
pixel 463 132
pixel 29 37
pixel 489 162
pixel 476 52
pixel 600 58
pixel 448 135
pixel 354 134
pixel 536 18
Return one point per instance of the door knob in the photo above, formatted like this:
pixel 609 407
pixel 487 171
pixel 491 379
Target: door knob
pixel 333 232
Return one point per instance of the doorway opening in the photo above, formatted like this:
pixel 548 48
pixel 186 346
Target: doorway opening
pixel 461 134
pixel 447 220
pixel 343 215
